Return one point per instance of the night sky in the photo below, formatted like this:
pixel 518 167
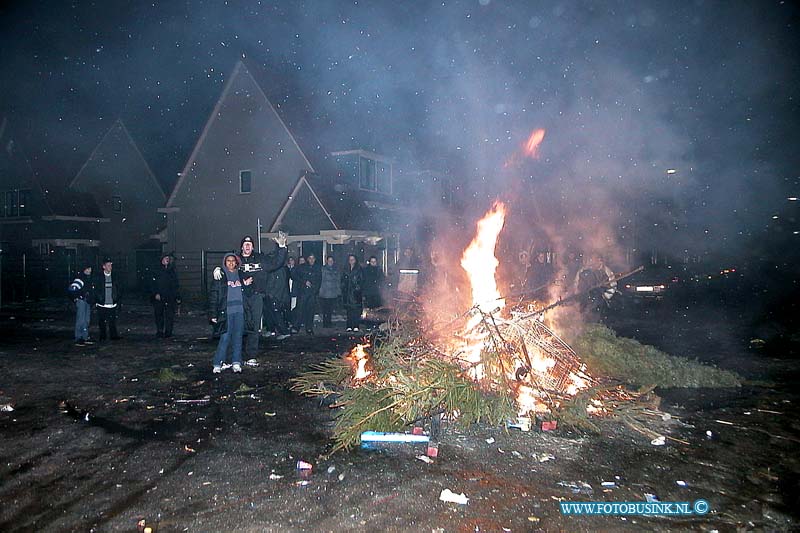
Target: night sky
pixel 626 91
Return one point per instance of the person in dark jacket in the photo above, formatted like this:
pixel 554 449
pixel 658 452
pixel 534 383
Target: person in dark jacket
pixel 352 279
pixel 165 296
pixel 277 302
pixel 329 291
pixel 256 266
pixel 309 279
pixel 227 312
pixel 373 284
pixel 107 294
pixel 80 290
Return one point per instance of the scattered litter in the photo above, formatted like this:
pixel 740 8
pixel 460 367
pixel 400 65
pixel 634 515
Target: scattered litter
pixel 515 453
pixel 331 469
pixel 206 483
pixel 275 476
pixel 523 423
pixel 417 431
pixel 709 434
pixel 302 483
pixel 449 496
pixel 609 484
pixel 433 450
pixel 577 487
pixel 651 498
pixel 189 449
pixel 190 473
pixel 204 400
pixel 665 416
pixel 190 365
pixel 425 459
pixel 490 440
pixel 267 413
pixel 658 441
pixel 302 465
pixel 142 527
pixel 6 408
pixel 681 483
pixel 544 457
pixel 226 366
pixel 549 425
pixel 341 477
pixel 533 519
pixel 501 450
pixel 251 362
pixel 380 436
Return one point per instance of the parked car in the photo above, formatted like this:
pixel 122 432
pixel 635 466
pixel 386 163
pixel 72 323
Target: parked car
pixel 652 283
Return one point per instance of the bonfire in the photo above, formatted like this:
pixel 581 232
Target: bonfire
pixel 490 363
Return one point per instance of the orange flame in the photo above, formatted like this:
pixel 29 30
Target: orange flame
pixel 480 264
pixel 479 261
pixel 358 357
pixel 531 147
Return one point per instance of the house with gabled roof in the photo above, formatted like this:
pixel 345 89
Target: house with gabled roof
pixel 127 193
pixel 240 172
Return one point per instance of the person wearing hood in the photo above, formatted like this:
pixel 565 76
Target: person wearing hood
pixel 165 296
pixel 227 312
pixel 256 266
pixel 80 290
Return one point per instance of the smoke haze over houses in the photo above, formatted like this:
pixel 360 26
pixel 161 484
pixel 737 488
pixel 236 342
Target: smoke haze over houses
pixel 626 91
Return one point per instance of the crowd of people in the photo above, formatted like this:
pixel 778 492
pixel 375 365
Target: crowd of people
pixel 273 293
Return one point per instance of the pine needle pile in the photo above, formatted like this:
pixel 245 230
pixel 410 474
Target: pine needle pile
pixel 637 364
pixel 408 382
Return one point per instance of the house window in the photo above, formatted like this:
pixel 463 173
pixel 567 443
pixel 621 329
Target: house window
pixel 24 202
pixel 384 177
pixel 116 204
pixel 367 174
pixel 11 206
pixel 245 181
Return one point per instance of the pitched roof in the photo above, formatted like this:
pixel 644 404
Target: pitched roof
pixel 239 73
pixel 118 128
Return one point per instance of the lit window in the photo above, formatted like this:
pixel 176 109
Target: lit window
pixel 245 181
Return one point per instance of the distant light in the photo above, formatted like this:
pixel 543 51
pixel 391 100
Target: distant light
pixel 792 198
pixel 671 171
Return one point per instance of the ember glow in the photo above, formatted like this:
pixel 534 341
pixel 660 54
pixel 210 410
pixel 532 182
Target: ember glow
pixel 531 148
pixel 358 357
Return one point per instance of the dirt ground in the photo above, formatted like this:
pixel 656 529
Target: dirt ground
pixel 98 440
